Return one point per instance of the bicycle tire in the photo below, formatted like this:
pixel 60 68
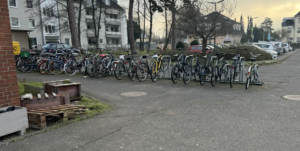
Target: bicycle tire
pixel 119 71
pixel 142 72
pixel 69 68
pixel 231 80
pixel 248 82
pixel 214 77
pixel 131 72
pixel 202 77
pixel 153 72
pixel 165 64
pixel 187 75
pixel 52 66
pixel 175 73
pixel 43 67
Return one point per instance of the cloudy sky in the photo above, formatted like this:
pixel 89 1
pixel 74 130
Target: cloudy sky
pixel 274 9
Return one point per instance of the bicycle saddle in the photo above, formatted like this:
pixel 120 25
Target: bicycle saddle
pixel 176 55
pixel 234 58
pixel 252 59
pixel 205 56
pixel 191 55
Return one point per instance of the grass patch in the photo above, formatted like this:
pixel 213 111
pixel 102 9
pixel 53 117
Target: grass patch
pixel 22 83
pixel 93 105
pixel 66 82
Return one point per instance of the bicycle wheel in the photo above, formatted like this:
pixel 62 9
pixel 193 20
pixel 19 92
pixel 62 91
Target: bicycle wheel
pixel 175 74
pixel 160 71
pixel 248 82
pixel 142 72
pixel 202 76
pixel 187 74
pixel 53 67
pixel 69 68
pixel 214 76
pixel 224 73
pixel 165 64
pixel 119 71
pixel 154 73
pixel 131 72
pixel 43 67
pixel 231 77
pixel 196 74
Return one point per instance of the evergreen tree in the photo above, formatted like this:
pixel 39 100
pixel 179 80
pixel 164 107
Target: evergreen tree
pixel 242 23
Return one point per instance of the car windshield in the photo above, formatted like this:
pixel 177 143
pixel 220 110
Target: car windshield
pixel 67 46
pixel 46 46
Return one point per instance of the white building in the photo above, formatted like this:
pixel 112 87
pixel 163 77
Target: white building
pixel 292 25
pixel 48 23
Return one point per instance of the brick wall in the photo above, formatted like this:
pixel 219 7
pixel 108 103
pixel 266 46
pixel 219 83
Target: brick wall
pixel 9 94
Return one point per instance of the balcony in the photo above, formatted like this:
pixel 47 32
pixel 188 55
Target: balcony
pixel 113 34
pixel 90 33
pixel 113 45
pixel 113 21
pixel 89 20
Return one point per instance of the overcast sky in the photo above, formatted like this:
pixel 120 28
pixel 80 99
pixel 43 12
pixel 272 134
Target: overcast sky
pixel 274 9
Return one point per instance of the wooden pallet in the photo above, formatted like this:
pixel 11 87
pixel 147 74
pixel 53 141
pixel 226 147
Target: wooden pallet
pixel 38 117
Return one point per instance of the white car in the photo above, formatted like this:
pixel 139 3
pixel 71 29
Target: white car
pixel 269 48
pixel 285 48
pixel 289 48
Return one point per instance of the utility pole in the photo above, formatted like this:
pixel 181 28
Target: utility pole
pixel 214 23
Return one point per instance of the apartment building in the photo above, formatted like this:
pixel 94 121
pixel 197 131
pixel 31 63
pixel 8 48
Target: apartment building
pixel 48 23
pixel 292 26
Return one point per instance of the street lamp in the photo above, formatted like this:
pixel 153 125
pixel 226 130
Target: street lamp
pixel 252 29
pixel 215 3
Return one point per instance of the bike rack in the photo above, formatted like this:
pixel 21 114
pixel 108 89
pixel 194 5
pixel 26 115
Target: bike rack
pixel 169 66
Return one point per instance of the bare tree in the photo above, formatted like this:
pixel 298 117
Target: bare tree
pixel 283 33
pixel 131 37
pixel 72 23
pixel 200 19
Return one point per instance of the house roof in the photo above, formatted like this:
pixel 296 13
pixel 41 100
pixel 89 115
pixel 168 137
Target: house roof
pixel 222 16
pixel 298 14
pixel 288 22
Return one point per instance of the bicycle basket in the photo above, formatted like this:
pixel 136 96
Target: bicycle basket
pixel 25 54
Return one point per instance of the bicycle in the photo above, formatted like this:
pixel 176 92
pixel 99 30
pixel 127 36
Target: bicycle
pixel 179 67
pixel 208 70
pixel 158 66
pixel 142 70
pixel 233 68
pixel 252 74
pixel 125 67
pixel 191 71
pixel 222 67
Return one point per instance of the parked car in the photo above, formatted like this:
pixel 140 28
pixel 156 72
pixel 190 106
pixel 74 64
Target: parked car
pixel 269 48
pixel 57 47
pixel 198 48
pixel 285 48
pixel 289 48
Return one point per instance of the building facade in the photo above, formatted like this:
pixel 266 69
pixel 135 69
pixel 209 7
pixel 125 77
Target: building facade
pixel 47 22
pixel 292 26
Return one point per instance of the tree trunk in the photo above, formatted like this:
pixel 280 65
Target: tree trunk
pixel 173 26
pixel 131 36
pixel 72 23
pixel 139 22
pixel 150 33
pixel 78 22
pixel 167 38
pixel 144 32
pixel 204 43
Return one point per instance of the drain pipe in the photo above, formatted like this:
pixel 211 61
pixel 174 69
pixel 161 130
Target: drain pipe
pixel 41 22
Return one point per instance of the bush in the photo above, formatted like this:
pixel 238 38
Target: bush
pixel 243 53
pixel 180 45
pixel 194 42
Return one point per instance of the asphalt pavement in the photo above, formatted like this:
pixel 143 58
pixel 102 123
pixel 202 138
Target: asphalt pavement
pixel 182 117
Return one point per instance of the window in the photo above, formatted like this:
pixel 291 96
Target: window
pixel 15 22
pixel 298 31
pixel 29 3
pixel 33 41
pixel 298 39
pixel 67 41
pixel 199 47
pixel 107 29
pixel 87 12
pixel 50 29
pixel 44 11
pixel 31 23
pixel 67 46
pixel 289 30
pixel 101 41
pixel 194 48
pixel 88 26
pixel 12 3
pixel 60 46
pixel 91 41
pixel 48 12
pixel 298 20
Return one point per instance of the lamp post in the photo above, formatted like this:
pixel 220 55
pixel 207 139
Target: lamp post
pixel 214 24
pixel 252 29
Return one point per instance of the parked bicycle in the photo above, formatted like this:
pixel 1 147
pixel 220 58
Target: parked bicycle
pixel 208 70
pixel 252 74
pixel 179 67
pixel 124 67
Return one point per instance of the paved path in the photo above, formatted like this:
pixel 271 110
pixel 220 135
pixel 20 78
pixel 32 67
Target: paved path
pixel 182 117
